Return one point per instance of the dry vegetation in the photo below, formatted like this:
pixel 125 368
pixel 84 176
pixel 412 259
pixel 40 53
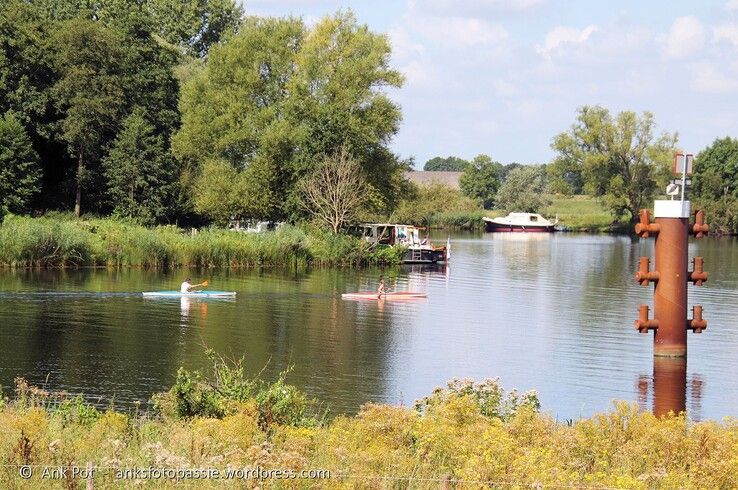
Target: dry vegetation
pixel 468 435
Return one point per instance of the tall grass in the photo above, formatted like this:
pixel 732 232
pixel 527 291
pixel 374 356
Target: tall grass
pixel 468 435
pixel 62 242
pixel 582 213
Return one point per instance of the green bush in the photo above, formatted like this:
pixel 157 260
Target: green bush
pixel 228 388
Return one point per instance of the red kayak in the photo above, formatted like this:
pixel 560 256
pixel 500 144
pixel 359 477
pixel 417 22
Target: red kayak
pixel 392 296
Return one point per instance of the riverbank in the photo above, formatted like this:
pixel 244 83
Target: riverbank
pixel 576 213
pixel 469 434
pixel 62 241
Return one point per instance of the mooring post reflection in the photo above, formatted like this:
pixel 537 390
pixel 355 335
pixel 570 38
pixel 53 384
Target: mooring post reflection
pixel 667 388
pixel 669 385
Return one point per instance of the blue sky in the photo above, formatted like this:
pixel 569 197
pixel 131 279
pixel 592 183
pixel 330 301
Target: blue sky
pixel 502 77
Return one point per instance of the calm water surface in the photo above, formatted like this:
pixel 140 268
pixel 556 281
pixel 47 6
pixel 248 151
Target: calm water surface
pixel 550 312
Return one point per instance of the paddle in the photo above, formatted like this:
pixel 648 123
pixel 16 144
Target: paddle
pixel 203 284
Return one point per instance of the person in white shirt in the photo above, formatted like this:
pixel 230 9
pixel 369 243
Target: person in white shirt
pixel 186 286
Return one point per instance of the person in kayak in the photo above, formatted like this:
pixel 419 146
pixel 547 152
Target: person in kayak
pixel 186 286
pixel 382 289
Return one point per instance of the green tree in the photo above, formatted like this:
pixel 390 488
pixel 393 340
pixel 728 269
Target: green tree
pixel 425 202
pixel 448 164
pixel 20 174
pixel 714 184
pixel 506 169
pixel 196 25
pixel 140 172
pixel 276 97
pixel 618 159
pixel 524 190
pixel 716 170
pixel 89 93
pixel 481 179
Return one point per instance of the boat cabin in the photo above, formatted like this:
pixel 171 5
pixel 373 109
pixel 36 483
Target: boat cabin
pixel 420 250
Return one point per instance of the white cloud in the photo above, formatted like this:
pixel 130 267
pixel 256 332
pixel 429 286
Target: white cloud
pixel 686 36
pixel 403 46
pixel 726 32
pixel 418 74
pixel 708 78
pixel 479 6
pixel 731 6
pixel 562 35
pixel 460 32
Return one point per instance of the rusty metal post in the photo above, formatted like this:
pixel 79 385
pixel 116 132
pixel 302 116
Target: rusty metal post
pixel 670 277
pixel 670 292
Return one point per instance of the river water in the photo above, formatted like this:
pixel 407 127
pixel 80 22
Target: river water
pixel 547 312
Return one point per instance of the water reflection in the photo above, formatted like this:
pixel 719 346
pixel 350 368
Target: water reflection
pixel 550 312
pixel 667 388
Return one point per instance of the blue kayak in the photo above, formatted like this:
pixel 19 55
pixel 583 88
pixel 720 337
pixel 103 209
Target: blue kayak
pixel 194 294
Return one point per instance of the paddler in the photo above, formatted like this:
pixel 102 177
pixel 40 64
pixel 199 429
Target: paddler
pixel 381 288
pixel 186 286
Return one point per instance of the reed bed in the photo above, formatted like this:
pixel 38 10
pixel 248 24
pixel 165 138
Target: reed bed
pixel 59 241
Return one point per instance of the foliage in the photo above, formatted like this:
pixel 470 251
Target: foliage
pixel 448 164
pixel 228 389
pixel 427 202
pixel 89 92
pixel 488 396
pixel 68 242
pixel 139 171
pixel 19 170
pixel 716 170
pixel 196 24
pixel 276 97
pixel 617 159
pixel 335 192
pixel 714 184
pixel 481 179
pixel 524 190
pixel 582 213
pixel 458 439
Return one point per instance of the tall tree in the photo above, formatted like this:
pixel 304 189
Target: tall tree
pixel 524 190
pixel 89 93
pixel 619 159
pixel 716 184
pixel 481 179
pixel 276 97
pixel 716 170
pixel 448 164
pixel 140 172
pixel 196 25
pixel 20 174
pixel 338 99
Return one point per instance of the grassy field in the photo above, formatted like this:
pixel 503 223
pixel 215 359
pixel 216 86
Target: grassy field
pixel 578 213
pixel 466 435
pixel 581 213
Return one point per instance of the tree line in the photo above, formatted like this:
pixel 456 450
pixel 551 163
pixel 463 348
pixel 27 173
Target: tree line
pixel 618 159
pixel 168 111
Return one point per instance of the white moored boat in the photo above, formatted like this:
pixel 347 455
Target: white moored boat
pixel 522 222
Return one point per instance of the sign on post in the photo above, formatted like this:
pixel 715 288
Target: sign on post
pixel 683 163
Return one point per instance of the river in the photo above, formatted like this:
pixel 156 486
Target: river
pixel 547 312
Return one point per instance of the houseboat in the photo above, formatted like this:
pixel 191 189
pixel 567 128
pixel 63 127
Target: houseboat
pixel 521 222
pixel 419 250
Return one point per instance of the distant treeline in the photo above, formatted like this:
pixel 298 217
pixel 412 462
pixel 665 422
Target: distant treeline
pixel 617 159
